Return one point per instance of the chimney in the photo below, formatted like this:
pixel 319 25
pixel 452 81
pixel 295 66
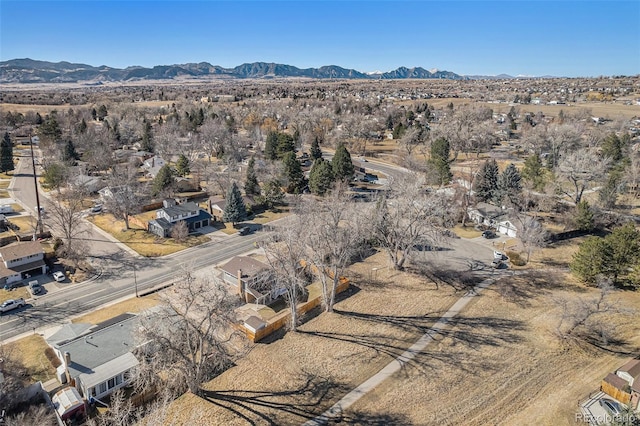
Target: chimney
pixel 240 289
pixel 67 362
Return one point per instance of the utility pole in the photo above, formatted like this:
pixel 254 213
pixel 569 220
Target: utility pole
pixel 135 279
pixel 35 184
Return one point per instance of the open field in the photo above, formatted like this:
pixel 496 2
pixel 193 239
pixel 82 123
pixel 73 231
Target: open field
pixel 302 373
pixel 503 363
pixel 140 240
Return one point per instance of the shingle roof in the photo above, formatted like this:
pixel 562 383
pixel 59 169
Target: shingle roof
pixel 18 250
pixel 632 368
pixel 616 381
pixel 248 265
pixel 180 209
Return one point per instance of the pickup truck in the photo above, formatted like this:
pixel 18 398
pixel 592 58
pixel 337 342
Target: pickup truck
pixel 11 305
pixel 35 287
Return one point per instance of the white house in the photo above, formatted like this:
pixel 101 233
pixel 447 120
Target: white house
pixel 153 165
pixel 21 261
pixel 98 359
pixel 507 228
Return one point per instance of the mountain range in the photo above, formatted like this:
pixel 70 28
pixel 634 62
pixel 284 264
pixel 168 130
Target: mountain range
pixel 33 71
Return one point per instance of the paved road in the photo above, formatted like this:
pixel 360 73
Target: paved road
pixel 23 192
pixel 116 282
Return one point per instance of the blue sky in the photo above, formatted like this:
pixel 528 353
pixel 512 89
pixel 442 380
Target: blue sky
pixel 571 38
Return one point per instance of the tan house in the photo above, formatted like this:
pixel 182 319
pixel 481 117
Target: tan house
pixel 21 261
pixel 624 384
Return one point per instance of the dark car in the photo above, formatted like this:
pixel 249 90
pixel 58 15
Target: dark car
pixel 488 234
pixel 244 230
pixel 611 406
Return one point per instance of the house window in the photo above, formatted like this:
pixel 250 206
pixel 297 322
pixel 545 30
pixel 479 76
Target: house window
pixel 103 387
pixel 112 383
pixel 119 379
pixel 92 391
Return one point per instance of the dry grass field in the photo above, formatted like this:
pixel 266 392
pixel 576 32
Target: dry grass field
pixel 31 353
pixel 503 362
pixel 288 380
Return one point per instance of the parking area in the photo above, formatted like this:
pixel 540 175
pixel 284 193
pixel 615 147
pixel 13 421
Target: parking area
pixel 592 412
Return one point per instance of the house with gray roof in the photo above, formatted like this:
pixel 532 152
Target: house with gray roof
pixel 172 213
pixel 97 360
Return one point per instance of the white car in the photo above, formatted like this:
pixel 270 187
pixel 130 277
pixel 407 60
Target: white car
pixel 59 276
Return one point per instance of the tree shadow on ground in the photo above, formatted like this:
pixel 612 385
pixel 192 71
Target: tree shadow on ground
pixel 282 407
pixel 472 332
pixel 456 279
pixel 529 284
pixel 370 419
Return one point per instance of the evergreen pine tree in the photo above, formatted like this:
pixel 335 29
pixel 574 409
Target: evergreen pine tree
pixel 147 137
pixel 439 160
pixel 285 144
pixel 612 147
pixel 486 186
pixel 82 127
pixel 293 173
pixel 272 194
pixel 342 165
pixel 534 172
pixel 320 177
pixel 70 155
pixel 6 154
pixel 102 113
pixel 234 210
pixel 182 166
pixel 251 186
pixel 271 146
pixel 163 180
pixel 50 129
pixel 315 151
pixel 583 219
pixel 509 185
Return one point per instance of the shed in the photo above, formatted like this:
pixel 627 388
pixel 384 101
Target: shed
pixel 69 404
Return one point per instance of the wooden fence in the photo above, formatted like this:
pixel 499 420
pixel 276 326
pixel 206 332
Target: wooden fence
pixel 614 392
pixel 283 318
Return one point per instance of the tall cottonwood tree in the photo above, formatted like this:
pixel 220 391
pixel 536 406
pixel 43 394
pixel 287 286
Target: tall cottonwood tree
pixel 578 171
pixel 189 337
pixel 66 216
pixel 406 216
pixel 123 198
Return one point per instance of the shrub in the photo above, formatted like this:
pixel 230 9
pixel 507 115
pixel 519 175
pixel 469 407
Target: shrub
pixel 515 258
pixel 51 356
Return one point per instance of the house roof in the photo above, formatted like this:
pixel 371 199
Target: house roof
pixel 18 250
pixel 616 381
pixel 180 209
pixel 489 210
pixel 109 369
pixel 100 347
pixel 161 222
pixel 68 332
pixel 632 368
pixel 66 400
pixel 248 265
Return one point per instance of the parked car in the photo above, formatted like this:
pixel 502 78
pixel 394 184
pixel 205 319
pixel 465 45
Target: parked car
pixel 244 230
pixel 59 276
pixel 11 304
pixel 611 406
pixel 488 234
pixel 96 209
pixel 497 264
pixel 35 287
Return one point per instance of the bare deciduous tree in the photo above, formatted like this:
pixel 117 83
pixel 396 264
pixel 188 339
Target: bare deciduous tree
pixel 190 337
pixel 406 216
pixel 124 199
pixel 65 216
pixel 530 232
pixel 285 252
pixel 334 236
pixel 580 169
pixel 180 231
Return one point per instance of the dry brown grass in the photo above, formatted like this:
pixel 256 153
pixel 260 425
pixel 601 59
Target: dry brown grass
pixel 143 242
pixel 14 294
pixel 270 216
pixel 133 305
pixel 466 231
pixel 306 371
pixel 31 352
pixel 502 364
pixel 598 109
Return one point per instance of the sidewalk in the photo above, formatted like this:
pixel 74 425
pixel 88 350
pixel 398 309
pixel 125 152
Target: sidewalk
pixel 394 366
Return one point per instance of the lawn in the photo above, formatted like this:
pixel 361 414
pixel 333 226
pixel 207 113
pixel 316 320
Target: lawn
pixel 269 216
pixel 466 231
pixel 143 242
pixel 26 224
pixel 31 351
pixel 4 184
pixel 284 381
pixel 133 305
pixel 17 293
pixel 4 193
